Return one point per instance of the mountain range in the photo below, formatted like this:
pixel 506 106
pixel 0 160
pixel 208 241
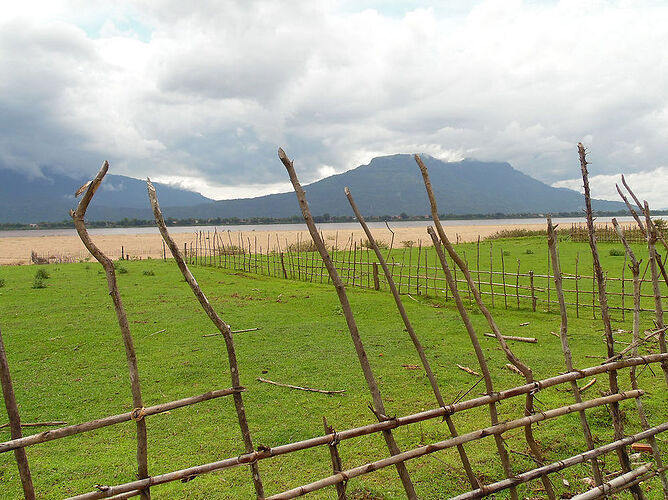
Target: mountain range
pixel 388 185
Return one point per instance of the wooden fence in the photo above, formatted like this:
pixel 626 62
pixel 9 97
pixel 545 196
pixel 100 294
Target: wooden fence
pixel 357 268
pixel 416 271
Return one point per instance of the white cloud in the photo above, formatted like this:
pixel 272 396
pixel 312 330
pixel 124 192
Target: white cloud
pixel 209 90
pixel 650 186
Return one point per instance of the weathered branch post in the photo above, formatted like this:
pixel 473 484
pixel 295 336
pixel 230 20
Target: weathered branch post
pixel 223 327
pixel 379 406
pixel 80 225
pixel 605 317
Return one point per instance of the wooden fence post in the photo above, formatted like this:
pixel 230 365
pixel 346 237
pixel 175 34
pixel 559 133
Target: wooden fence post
pixel 477 260
pixel 517 284
pixel 417 272
pixel 426 272
pixel 623 269
pixel 533 292
pixel 491 273
pixel 503 277
pixel 285 273
pixel 376 282
pixel 548 280
pixel 593 290
pixel 577 286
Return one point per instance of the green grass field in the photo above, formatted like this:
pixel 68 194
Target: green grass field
pixel 68 363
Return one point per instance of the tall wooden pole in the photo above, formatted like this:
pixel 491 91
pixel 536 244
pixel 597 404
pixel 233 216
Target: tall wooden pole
pixel 605 317
pixel 379 406
pixel 644 422
pixel 222 327
pixel 130 354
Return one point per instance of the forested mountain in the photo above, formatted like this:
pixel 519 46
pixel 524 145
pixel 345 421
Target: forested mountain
pixel 388 185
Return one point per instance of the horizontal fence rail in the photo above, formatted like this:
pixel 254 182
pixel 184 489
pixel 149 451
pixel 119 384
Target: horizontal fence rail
pixel 329 439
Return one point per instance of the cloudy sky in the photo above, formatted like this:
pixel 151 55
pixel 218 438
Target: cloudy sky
pixel 203 93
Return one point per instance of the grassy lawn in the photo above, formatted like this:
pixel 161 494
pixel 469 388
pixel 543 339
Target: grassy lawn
pixel 68 363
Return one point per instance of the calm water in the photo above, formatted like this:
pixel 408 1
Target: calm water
pixel 299 227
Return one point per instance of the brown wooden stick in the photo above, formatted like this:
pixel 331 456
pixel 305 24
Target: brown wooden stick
pixel 234 331
pixel 448 443
pixel 565 346
pixel 130 354
pixel 634 345
pixel 468 370
pixel 513 368
pixel 561 464
pixel 526 371
pixel 530 340
pixel 223 327
pixel 414 338
pixel 15 423
pixel 378 404
pixel 71 430
pixel 640 479
pixel 124 496
pixel 617 422
pixel 631 209
pixel 635 271
pixel 307 389
pixel 265 453
pixel 36 424
pixel 589 384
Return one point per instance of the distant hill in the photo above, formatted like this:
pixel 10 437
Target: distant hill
pixel 50 198
pixel 388 185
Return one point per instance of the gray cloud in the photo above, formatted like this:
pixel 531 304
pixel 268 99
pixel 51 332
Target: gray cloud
pixel 204 93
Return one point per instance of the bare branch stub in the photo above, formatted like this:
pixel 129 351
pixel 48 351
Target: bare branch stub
pixel 78 216
pixel 223 328
pixel 378 404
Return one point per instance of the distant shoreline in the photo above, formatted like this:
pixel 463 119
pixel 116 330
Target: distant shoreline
pixel 143 243
pixel 235 221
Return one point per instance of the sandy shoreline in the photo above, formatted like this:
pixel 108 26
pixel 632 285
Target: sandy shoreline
pixel 16 250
